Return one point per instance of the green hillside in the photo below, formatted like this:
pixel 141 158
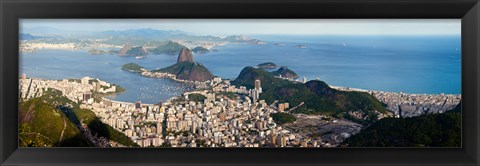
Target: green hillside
pixel 317 96
pixel 86 116
pixel 433 130
pixel 41 124
pixel 132 67
pixel 249 74
pixel 196 97
pixel 74 115
pixel 282 118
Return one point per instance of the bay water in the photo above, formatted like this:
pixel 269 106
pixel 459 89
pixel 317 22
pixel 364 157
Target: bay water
pixel 410 64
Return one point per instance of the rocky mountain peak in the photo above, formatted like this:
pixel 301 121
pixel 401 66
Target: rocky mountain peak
pixel 185 55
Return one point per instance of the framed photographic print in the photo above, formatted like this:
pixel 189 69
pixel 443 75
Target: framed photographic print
pixel 239 82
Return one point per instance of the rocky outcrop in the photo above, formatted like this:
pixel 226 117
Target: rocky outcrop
pixel 185 55
pixel 187 69
pixel 190 71
pixel 195 72
pixel 285 73
pixel 124 50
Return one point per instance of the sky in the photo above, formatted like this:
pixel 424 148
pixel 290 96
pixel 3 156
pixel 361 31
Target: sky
pixel 257 26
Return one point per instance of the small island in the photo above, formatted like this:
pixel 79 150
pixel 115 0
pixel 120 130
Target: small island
pixel 132 67
pixel 300 46
pixel 186 69
pixel 200 50
pixel 267 65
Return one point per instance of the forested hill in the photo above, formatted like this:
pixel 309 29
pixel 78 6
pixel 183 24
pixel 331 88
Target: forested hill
pixel 433 130
pixel 42 121
pixel 315 97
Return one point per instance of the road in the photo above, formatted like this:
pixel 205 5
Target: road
pixel 63 131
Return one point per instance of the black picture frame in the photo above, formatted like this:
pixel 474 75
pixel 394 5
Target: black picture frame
pixel 13 10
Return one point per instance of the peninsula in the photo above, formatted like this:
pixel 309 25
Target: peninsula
pixel 186 69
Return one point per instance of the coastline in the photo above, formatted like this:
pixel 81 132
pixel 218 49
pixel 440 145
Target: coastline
pixel 405 104
pixel 124 102
pixel 30 47
pixel 196 87
pixel 156 113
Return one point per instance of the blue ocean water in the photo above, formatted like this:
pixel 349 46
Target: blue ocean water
pixel 411 64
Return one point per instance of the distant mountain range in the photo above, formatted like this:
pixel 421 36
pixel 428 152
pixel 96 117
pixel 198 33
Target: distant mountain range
pixel 133 35
pixel 26 36
pixel 146 33
pixel 45 31
pixel 155 34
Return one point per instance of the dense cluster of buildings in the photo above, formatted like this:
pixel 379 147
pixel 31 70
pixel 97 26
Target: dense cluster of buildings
pixel 156 74
pixel 32 46
pixel 217 121
pixel 220 120
pixel 148 73
pixel 78 90
pixel 408 105
pixel 255 93
pixel 142 123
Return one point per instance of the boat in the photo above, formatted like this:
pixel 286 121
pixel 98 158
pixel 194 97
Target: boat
pixel 300 46
pixel 139 57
